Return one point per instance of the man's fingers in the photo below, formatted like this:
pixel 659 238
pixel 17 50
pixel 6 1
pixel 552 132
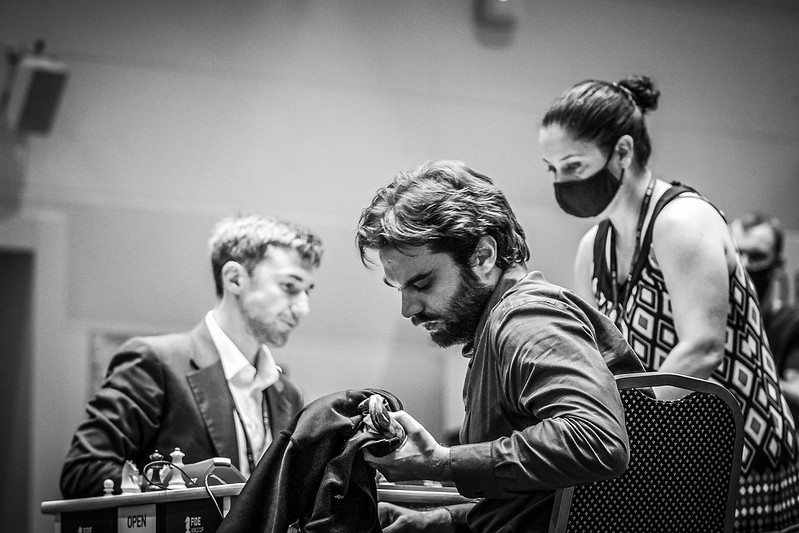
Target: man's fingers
pixel 385 513
pixel 371 459
pixel 407 421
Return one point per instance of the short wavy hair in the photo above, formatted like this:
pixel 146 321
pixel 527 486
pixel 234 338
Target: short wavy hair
pixel 751 219
pixel 446 206
pixel 246 239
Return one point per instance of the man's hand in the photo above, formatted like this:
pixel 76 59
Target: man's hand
pixel 395 519
pixel 419 457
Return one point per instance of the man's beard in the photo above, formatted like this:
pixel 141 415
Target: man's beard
pixel 461 314
pixel 264 331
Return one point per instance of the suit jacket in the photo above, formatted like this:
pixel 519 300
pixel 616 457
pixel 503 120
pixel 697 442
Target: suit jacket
pixel 162 393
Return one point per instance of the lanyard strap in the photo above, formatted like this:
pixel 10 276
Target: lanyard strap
pixel 614 271
pixel 247 444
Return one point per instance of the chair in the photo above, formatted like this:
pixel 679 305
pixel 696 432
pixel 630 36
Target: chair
pixel 685 461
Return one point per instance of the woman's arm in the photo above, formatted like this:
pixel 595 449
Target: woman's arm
pixel 695 252
pixel 583 264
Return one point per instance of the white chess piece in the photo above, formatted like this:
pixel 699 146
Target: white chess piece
pixel 176 481
pixel 130 478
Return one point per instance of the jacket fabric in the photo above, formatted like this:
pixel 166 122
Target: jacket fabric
pixel 314 473
pixel 162 392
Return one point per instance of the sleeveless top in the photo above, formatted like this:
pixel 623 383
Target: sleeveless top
pixel 769 489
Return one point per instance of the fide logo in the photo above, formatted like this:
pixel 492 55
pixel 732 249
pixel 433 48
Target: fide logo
pixel 193 524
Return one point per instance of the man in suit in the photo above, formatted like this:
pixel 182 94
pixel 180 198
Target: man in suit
pixel 214 391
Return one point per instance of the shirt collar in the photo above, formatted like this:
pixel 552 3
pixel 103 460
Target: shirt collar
pixel 509 278
pixel 236 366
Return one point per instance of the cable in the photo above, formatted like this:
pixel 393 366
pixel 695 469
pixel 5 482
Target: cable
pixel 205 484
pixel 211 494
pixel 159 483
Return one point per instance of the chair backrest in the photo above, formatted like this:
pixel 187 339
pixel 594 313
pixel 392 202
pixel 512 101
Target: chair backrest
pixel 685 459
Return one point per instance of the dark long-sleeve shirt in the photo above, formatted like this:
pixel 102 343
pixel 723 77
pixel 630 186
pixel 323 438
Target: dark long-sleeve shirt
pixel 542 407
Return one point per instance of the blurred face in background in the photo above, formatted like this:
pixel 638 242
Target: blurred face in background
pixel 757 246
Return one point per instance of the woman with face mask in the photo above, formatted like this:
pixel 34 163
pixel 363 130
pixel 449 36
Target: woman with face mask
pixel 662 264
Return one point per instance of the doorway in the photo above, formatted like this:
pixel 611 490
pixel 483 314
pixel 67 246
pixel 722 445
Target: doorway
pixel 16 293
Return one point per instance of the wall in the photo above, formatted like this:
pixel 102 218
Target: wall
pixel 177 113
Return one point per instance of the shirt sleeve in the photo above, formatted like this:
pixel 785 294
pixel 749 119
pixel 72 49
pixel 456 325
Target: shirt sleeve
pixel 554 380
pixel 122 417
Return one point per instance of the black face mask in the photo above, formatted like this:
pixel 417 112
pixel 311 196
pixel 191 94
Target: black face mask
pixel 761 279
pixel 590 196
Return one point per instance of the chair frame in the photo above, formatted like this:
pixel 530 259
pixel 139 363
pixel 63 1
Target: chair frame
pixel 563 497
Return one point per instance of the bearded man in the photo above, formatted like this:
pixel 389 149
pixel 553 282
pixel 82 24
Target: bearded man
pixel 542 409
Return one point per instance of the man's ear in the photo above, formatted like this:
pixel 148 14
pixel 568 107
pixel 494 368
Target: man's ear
pixel 234 275
pixel 485 254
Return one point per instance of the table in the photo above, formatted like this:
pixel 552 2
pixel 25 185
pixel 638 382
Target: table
pixel 192 510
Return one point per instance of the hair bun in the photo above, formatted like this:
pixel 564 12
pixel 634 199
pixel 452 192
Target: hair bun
pixel 643 91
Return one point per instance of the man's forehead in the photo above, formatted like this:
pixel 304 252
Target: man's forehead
pixel 408 251
pixel 408 255
pixel 288 262
pixel 761 236
pixel 403 263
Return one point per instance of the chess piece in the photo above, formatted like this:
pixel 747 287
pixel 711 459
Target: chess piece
pixel 130 478
pixel 153 472
pixel 108 487
pixel 153 477
pixel 176 481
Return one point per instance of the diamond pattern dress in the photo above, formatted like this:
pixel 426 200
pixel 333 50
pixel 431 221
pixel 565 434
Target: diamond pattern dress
pixel 769 490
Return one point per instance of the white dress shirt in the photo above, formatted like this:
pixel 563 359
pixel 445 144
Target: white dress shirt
pixel 247 384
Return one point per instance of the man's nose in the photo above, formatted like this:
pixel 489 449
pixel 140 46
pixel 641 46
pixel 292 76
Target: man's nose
pixel 410 305
pixel 301 305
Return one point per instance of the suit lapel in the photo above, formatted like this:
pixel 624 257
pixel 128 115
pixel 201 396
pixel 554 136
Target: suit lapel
pixel 280 410
pixel 213 396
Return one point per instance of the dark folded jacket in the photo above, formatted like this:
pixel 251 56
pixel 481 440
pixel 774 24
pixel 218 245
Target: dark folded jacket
pixel 314 473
